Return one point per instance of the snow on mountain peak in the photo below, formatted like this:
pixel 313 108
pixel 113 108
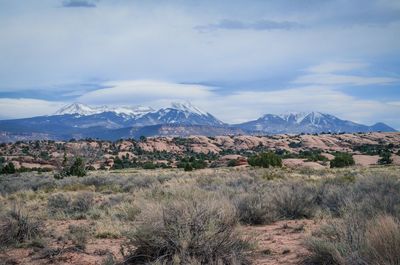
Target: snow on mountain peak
pixel 187 107
pixel 76 108
pixel 298 117
pixel 85 110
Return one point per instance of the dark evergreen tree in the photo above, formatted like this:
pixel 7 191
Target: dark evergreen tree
pixel 342 160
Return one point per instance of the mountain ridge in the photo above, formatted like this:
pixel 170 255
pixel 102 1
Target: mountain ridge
pixel 78 120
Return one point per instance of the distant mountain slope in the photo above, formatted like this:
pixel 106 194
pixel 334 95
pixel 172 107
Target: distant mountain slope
pixel 180 119
pixel 312 122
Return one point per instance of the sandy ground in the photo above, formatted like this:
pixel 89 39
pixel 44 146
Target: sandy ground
pixel 365 160
pixel 277 243
pixel 301 163
pixel 281 242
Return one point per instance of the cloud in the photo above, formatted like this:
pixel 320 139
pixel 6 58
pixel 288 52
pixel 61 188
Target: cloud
pixel 13 108
pixel 245 105
pixel 234 107
pixel 333 67
pixel 229 24
pixel 79 3
pixel 349 80
pixel 140 91
pixel 147 39
pixel 326 74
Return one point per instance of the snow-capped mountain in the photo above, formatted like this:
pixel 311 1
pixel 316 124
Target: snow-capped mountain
pixel 76 108
pixel 179 119
pixel 86 110
pixel 176 113
pixel 306 122
pixel 179 113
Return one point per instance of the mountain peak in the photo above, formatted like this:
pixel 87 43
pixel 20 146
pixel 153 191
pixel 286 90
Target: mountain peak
pixel 187 106
pixel 75 108
pixel 85 110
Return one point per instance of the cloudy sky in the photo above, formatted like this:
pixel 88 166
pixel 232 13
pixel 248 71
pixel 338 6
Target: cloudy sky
pixel 235 59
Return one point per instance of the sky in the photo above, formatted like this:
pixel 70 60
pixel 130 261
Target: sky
pixel 235 59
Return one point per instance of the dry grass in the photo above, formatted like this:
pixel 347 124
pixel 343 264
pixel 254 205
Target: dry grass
pixel 179 217
pixel 383 240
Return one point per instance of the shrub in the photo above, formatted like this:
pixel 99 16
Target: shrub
pixel 79 235
pixel 187 232
pixel 355 240
pixel 265 160
pixel 323 252
pixel 232 163
pixel 149 165
pixel 385 158
pixel 188 167
pixel 77 168
pixel 383 241
pixel 82 203
pixel 254 209
pixel 58 203
pixel 109 260
pixel 331 197
pixel 8 169
pixel 294 200
pixel 62 204
pixel 18 227
pixel 342 160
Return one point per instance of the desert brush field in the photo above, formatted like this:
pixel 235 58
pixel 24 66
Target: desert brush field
pixel 236 215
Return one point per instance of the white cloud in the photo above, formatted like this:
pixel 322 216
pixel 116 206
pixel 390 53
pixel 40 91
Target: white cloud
pixel 43 45
pixel 243 106
pixel 232 108
pixel 332 67
pixel 27 107
pixel 326 74
pixel 334 79
pixel 142 91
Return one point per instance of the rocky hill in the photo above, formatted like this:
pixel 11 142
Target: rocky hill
pixel 296 150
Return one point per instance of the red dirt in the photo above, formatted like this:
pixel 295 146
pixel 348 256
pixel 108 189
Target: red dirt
pixel 277 243
pixel 281 242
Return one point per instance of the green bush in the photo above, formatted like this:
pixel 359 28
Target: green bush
pixel 342 160
pixel 149 165
pixel 188 167
pixel 77 168
pixel 8 169
pixel 232 163
pixel 265 160
pixel 385 158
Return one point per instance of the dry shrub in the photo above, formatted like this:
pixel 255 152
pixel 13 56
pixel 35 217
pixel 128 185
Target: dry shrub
pixel 79 235
pixel 356 240
pixel 293 200
pixel 61 204
pixel 254 209
pixel 16 226
pixel 323 252
pixel 383 241
pixel 187 231
pixel 83 203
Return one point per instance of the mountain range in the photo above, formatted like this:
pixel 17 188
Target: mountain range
pixel 179 119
